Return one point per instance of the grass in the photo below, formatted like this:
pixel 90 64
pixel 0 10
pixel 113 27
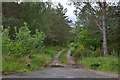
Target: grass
pixel 37 60
pixel 12 65
pixel 105 64
pixel 63 57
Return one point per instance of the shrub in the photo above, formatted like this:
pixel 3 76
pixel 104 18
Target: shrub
pixel 78 54
pixel 24 42
pixel 37 61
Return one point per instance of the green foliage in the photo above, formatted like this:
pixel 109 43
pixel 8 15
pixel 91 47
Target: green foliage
pixel 107 64
pixel 83 37
pixel 52 50
pixel 41 16
pixel 113 48
pixel 37 61
pixel 80 52
pixel 24 42
pixel 63 57
pixel 12 65
pixel 77 54
pixel 40 60
pixel 88 33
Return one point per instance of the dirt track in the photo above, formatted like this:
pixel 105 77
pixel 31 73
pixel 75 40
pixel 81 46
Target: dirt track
pixel 63 72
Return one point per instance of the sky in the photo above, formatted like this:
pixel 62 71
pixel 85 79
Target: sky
pixel 70 9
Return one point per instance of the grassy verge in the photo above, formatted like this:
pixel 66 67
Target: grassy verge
pixel 12 65
pixel 63 57
pixel 37 60
pixel 105 64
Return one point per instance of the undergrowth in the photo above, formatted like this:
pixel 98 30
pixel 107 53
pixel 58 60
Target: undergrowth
pixel 37 61
pixel 63 57
pixel 106 64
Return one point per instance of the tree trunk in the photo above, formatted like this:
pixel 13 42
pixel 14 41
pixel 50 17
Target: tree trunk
pixel 3 9
pixel 104 31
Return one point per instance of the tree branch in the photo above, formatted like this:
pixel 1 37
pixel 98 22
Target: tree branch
pixel 97 22
pixel 94 11
pixel 101 7
pixel 98 25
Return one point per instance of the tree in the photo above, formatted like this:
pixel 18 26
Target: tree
pixel 102 9
pixel 59 26
pixel 38 15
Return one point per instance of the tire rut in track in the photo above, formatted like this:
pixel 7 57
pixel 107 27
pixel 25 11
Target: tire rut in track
pixel 56 62
pixel 70 62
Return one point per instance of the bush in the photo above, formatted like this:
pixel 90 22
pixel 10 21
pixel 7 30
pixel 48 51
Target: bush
pixel 82 52
pixel 113 48
pixel 37 61
pixel 24 42
pixel 77 54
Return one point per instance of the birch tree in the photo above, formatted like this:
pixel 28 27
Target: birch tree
pixel 99 18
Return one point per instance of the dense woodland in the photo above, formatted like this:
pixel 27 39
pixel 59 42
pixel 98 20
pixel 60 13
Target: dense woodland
pixel 41 29
pixel 89 28
pixel 41 16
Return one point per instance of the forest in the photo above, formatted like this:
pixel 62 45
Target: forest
pixel 33 32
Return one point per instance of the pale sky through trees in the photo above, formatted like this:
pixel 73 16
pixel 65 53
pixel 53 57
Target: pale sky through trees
pixel 71 8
